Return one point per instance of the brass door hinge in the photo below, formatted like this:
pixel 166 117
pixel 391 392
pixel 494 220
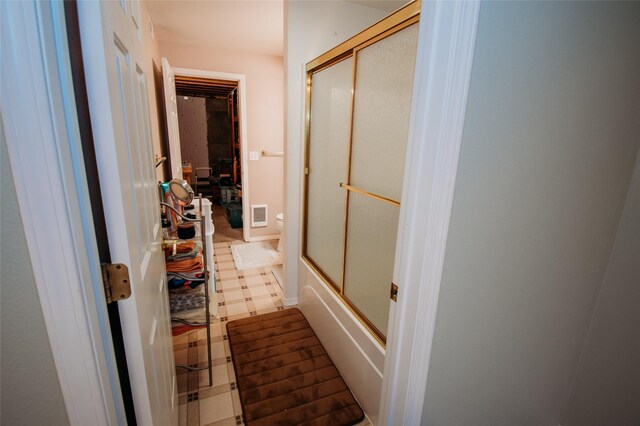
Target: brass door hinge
pixel 394 292
pixel 115 278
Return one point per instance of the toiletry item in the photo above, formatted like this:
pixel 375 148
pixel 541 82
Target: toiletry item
pixel 186 231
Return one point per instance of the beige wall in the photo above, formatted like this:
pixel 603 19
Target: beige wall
pixel 152 59
pixel 264 97
pixel 192 119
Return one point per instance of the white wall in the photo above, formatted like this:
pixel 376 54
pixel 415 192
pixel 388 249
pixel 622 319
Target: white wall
pixel 192 119
pixel 607 383
pixel 265 115
pixel 30 390
pixel 550 139
pixel 312 28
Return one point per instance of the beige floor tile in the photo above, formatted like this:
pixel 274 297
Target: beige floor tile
pixel 231 372
pixel 226 266
pixel 228 284
pixel 249 272
pixel 224 257
pixel 236 309
pixel 217 351
pixel 182 415
pixel 214 390
pixel 234 295
pixel 215 331
pixel 181 378
pixel 216 408
pixel 220 376
pixel 227 275
pixel 222 311
pixel 254 280
pixel 181 356
pixel 193 381
pixel 259 291
pixel 226 422
pixel 193 413
pixel 237 406
pixel 182 338
pixel 262 304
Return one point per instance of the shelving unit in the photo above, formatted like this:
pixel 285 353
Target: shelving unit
pixel 204 232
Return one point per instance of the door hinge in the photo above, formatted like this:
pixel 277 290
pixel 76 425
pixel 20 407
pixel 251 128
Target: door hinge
pixel 115 278
pixel 394 292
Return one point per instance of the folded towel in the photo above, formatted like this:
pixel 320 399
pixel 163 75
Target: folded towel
pixel 195 264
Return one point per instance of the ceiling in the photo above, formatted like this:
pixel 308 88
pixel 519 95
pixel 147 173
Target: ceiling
pixel 249 26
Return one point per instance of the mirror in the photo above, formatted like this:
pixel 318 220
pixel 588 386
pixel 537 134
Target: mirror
pixel 181 191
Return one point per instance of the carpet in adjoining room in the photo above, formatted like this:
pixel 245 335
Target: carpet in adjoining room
pixel 285 376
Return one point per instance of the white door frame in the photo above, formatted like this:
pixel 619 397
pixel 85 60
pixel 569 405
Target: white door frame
pixel 241 79
pixel 43 140
pixel 45 154
pixel 443 70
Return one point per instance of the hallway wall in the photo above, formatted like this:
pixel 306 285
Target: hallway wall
pixel 550 138
pixel 607 383
pixel 30 392
pixel 265 115
pixel 154 65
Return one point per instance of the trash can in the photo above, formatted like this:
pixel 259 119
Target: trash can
pixel 234 215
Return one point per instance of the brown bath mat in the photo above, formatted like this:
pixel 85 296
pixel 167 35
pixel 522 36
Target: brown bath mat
pixel 284 375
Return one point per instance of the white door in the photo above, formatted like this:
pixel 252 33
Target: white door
pixel 113 54
pixel 173 129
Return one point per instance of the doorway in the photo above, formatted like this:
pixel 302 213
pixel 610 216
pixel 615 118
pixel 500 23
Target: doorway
pixel 212 126
pixel 210 148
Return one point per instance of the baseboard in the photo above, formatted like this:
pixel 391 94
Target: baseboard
pixel 263 238
pixel 293 301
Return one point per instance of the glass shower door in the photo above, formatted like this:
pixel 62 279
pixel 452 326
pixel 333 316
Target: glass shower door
pixel 358 108
pixel 327 168
pixel 382 104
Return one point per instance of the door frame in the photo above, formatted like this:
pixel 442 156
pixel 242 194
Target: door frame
pixel 241 79
pixel 446 43
pixel 45 151
pixel 48 171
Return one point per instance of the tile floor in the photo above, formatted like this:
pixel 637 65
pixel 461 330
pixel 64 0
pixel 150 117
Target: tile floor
pixel 240 294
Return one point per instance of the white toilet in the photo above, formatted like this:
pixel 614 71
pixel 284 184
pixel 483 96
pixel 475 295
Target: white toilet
pixel 279 225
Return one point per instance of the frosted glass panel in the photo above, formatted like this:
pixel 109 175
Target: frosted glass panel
pixel 371 244
pixel 384 80
pixel 328 157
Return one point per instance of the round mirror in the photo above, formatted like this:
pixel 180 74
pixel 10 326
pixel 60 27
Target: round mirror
pixel 181 190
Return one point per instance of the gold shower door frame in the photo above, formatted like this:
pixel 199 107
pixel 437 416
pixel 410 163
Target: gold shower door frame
pixel 399 20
